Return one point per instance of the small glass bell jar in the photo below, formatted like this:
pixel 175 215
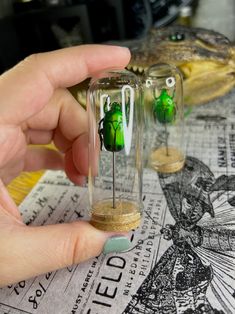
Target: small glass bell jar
pixel 115 150
pixel 164 118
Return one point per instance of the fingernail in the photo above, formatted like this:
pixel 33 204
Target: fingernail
pixel 116 244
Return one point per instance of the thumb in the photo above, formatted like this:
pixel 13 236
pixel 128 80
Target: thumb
pixel 31 251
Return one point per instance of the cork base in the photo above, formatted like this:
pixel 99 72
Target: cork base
pixel 124 217
pixel 167 163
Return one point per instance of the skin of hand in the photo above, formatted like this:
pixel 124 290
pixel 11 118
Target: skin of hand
pixel 36 108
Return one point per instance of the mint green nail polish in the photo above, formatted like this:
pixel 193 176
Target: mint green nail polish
pixel 116 245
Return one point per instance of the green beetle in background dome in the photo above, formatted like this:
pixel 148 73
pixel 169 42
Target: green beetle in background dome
pixel 164 108
pixel 112 132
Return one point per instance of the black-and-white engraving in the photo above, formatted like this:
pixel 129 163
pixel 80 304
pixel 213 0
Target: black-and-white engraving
pixel 198 271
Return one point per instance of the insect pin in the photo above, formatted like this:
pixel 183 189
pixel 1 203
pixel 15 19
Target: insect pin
pixel 111 133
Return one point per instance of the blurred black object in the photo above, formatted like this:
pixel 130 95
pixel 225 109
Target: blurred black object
pixel 43 25
pixel 104 19
pixel 38 27
pixel 138 17
pixel 23 6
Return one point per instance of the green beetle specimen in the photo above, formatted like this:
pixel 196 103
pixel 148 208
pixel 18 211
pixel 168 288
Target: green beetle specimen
pixel 164 108
pixel 112 133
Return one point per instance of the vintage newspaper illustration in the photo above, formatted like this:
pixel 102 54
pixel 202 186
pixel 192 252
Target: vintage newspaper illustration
pixel 182 258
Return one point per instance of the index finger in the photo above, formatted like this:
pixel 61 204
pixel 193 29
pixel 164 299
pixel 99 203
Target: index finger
pixel 25 89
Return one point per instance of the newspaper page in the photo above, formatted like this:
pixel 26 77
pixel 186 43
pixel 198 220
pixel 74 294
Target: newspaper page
pixel 182 258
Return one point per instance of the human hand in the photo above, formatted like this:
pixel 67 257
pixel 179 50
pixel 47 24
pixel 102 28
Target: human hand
pixel 36 108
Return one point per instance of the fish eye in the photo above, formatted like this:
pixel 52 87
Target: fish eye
pixel 170 81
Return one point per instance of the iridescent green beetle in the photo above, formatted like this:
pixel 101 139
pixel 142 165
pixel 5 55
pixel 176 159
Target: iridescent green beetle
pixel 112 133
pixel 164 108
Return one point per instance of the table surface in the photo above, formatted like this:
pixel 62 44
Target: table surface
pixel 157 271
